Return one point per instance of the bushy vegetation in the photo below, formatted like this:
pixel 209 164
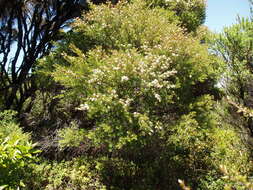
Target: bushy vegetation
pixel 16 152
pixel 78 173
pixel 132 98
pixel 190 13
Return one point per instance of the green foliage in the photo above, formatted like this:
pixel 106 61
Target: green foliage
pixel 16 152
pixel 236 180
pixel 132 78
pixel 191 13
pixel 76 174
pixel 146 90
pixel 202 149
pixel 71 136
pixel 234 45
pixel 117 29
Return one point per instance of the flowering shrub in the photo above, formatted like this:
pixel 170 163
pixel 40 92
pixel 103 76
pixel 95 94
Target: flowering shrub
pixel 135 76
pixel 146 89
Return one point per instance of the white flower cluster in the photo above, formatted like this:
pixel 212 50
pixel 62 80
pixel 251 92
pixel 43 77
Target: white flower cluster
pixel 158 72
pixel 150 75
pixel 158 97
pixel 83 107
pixel 96 76
pixel 125 102
pixel 124 78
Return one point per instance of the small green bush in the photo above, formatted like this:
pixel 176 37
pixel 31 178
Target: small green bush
pixel 16 153
pixel 71 136
pixel 77 174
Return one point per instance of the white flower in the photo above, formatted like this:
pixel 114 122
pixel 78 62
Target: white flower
pixel 128 101
pixel 97 71
pixel 92 99
pixel 158 97
pixel 83 107
pixel 174 54
pixel 136 113
pixel 155 83
pixel 124 78
pixel 116 68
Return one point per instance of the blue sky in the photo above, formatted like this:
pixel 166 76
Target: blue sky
pixel 222 13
